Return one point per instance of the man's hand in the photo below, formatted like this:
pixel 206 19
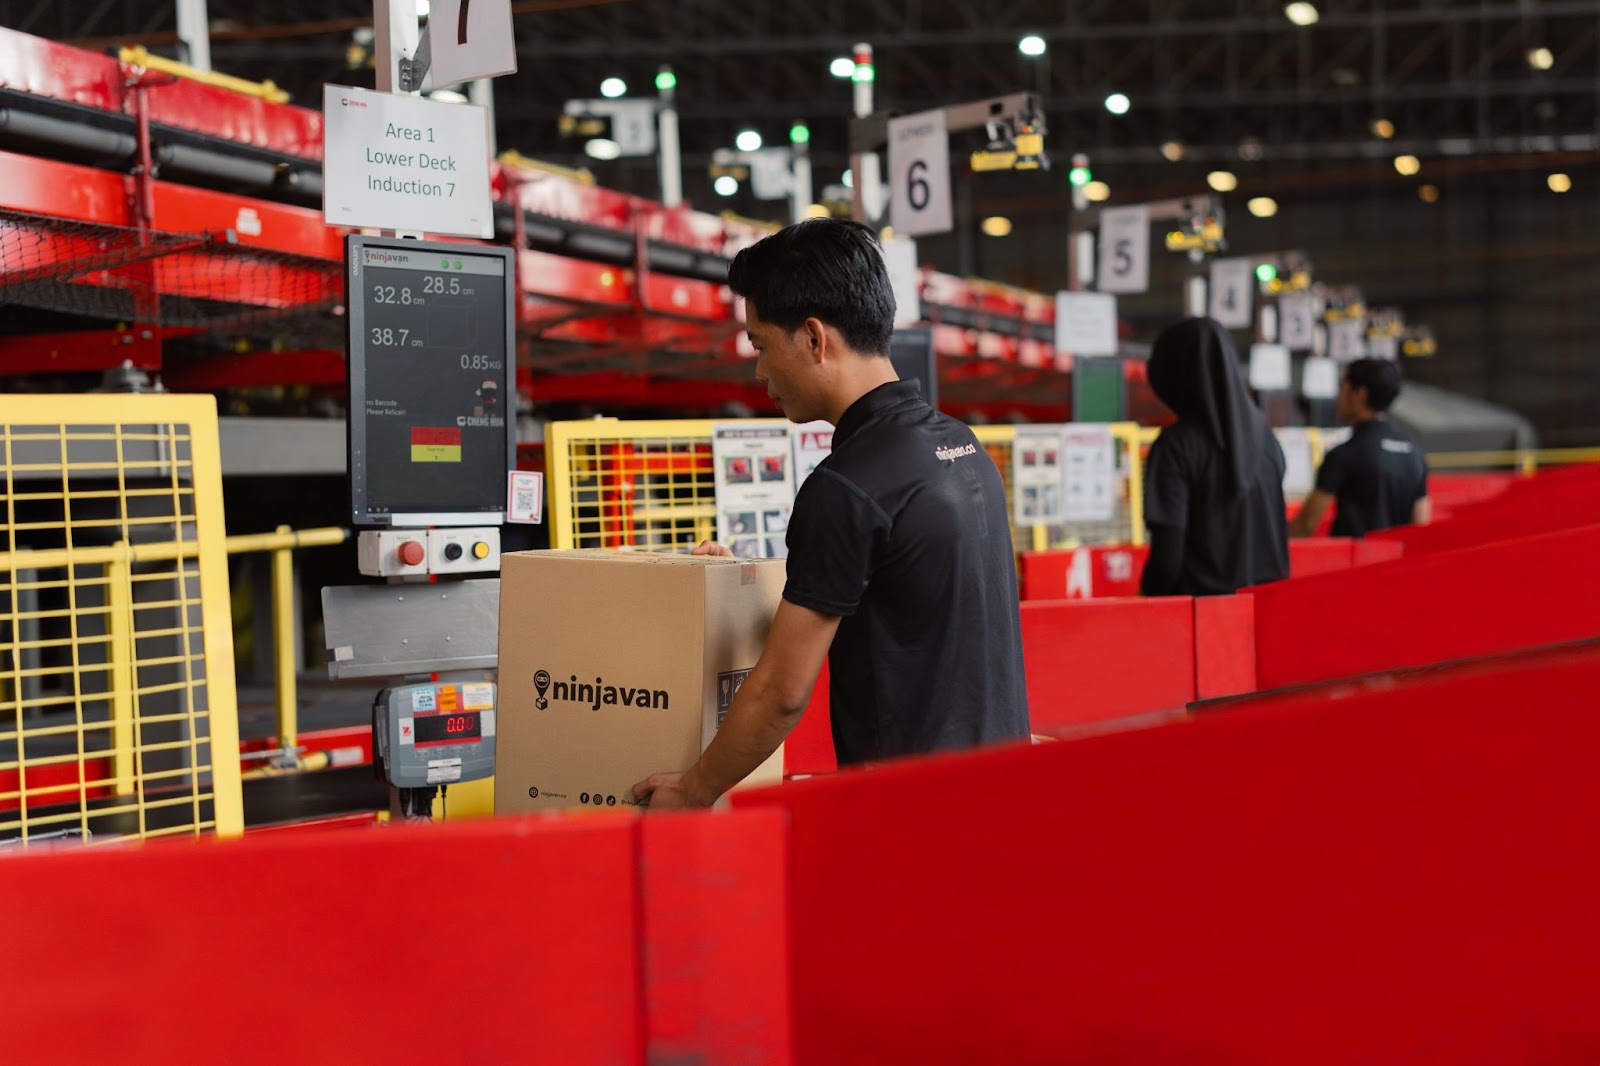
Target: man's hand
pixel 666 792
pixel 711 547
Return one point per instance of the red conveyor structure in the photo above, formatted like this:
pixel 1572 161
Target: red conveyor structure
pixel 177 226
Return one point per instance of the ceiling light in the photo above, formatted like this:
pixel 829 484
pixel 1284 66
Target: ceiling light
pixel 1172 151
pixel 1559 182
pixel 1031 45
pixel 612 88
pixel 1301 14
pixel 818 211
pixel 1117 104
pixel 997 226
pixel 1222 180
pixel 843 67
pixel 726 185
pixel 1541 58
pixel 1382 128
pixel 1263 206
pixel 1097 192
pixel 1429 194
pixel 1407 165
pixel 748 141
pixel 601 148
pixel 849 180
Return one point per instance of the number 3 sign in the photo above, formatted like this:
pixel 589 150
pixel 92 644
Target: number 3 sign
pixel 919 175
pixel 1124 260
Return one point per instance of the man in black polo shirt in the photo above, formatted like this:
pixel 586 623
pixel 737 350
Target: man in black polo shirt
pixel 1378 478
pixel 900 568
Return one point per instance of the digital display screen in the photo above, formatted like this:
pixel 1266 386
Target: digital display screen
pixel 911 352
pixel 448 728
pixel 432 386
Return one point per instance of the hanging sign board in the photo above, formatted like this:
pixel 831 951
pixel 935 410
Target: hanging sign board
pixel 919 175
pixel 1124 254
pixel 392 161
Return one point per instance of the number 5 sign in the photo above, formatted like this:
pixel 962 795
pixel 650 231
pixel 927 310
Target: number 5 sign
pixel 919 175
pixel 1124 250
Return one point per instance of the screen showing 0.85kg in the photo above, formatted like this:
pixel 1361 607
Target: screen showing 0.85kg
pixel 431 379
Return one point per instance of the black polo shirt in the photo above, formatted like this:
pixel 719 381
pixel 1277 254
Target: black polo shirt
pixel 1376 477
pixel 903 533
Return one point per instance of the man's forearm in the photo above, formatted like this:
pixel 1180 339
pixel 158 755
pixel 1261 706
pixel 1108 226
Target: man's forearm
pixel 756 723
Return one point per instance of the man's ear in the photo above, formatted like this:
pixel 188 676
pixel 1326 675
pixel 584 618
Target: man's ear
pixel 814 337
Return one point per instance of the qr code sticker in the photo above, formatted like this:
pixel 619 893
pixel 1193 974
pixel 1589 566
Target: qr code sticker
pixel 525 497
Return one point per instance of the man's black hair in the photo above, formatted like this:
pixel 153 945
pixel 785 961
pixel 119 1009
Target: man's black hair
pixel 823 268
pixel 1381 379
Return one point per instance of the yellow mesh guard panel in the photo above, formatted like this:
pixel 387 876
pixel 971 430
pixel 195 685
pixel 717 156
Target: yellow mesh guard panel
pixel 118 716
pixel 649 486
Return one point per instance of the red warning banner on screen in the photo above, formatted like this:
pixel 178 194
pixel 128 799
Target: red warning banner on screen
pixel 435 444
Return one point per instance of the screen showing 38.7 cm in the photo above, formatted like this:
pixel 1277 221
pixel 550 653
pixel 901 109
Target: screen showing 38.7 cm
pixel 437 379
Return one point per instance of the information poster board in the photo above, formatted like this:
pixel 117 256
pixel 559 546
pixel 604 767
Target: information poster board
pixel 813 442
pixel 1036 476
pixel 1089 460
pixel 1299 473
pixel 755 485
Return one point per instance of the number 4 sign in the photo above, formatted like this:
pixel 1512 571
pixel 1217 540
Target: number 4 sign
pixel 1230 292
pixel 1124 250
pixel 919 175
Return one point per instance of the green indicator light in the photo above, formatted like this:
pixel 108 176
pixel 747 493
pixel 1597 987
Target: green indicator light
pixel 444 264
pixel 1265 272
pixel 863 72
pixel 1078 176
pixel 458 264
pixel 799 134
pixel 666 80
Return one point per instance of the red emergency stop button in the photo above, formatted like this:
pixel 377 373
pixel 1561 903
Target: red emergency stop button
pixel 411 553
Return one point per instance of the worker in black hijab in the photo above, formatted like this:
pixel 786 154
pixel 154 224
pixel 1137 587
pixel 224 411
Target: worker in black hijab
pixel 1214 481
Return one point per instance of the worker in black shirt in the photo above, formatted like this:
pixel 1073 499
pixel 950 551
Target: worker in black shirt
pixel 1378 478
pixel 1214 481
pixel 900 568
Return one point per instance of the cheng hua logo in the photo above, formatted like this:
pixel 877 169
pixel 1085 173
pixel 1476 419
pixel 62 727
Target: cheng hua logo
pixel 596 695
pixel 345 101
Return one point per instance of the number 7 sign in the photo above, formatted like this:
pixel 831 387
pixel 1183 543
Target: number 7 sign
pixel 919 175
pixel 470 39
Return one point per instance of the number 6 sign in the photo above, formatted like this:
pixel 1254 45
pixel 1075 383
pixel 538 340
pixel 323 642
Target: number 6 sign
pixel 919 175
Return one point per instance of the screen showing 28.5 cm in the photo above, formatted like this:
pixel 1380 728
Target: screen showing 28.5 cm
pixel 436 380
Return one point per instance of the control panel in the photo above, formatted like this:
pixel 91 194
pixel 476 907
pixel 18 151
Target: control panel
pixel 416 553
pixel 435 733
pixel 463 551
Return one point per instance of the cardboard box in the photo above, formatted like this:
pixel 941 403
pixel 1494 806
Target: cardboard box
pixel 618 665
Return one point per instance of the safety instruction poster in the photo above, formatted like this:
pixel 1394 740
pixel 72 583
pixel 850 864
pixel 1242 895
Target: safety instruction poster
pixel 813 442
pixel 1089 463
pixel 755 486
pixel 1036 484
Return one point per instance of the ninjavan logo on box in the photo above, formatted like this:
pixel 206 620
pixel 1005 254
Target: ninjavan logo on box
pixel 596 695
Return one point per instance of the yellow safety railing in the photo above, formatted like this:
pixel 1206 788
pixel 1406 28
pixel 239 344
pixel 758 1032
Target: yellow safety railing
pixel 139 56
pixel 650 485
pixel 118 715
pixel 282 545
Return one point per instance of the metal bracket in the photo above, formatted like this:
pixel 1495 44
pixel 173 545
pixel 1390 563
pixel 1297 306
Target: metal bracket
pixel 414 71
pixel 871 134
